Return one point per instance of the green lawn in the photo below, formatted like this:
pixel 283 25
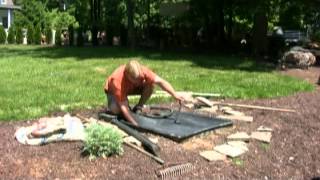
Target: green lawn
pixel 35 81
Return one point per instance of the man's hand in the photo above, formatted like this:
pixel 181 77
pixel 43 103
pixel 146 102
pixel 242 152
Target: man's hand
pixel 137 108
pixel 179 98
pixel 127 113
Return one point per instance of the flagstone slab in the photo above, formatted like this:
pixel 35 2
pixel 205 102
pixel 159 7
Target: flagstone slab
pixel 213 155
pixel 229 150
pixel 239 136
pixel 261 136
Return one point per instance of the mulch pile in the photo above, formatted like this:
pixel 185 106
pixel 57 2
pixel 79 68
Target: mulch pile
pixel 293 152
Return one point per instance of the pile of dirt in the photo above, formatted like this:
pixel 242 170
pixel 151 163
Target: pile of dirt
pixel 293 151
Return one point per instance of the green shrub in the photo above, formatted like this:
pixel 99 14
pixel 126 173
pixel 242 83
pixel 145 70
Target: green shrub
pixel 11 35
pixel 3 35
pixel 30 35
pixel 37 35
pixel 58 37
pixel 19 35
pixel 102 141
pixel 48 32
pixel 316 36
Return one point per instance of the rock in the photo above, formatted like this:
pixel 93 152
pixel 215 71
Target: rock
pixel 291 158
pixel 211 110
pixel 299 57
pixel 230 111
pixel 239 136
pixel 213 156
pixel 229 150
pixel 204 101
pixel 264 129
pixel 261 136
pixel 239 144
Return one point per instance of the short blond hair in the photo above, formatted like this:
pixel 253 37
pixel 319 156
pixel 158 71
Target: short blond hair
pixel 133 68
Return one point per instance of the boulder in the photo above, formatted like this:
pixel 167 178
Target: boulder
pixel 298 57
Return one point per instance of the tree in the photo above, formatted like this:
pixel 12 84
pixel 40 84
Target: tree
pixel 58 37
pixel 32 12
pixel 19 35
pixel 11 35
pixel 3 35
pixel 37 36
pixel 30 34
pixel 48 33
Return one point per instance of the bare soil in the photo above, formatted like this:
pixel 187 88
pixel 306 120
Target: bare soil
pixel 292 154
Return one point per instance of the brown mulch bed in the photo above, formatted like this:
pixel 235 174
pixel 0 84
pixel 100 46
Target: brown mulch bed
pixel 293 152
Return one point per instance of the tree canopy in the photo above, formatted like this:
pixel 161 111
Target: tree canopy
pixel 211 24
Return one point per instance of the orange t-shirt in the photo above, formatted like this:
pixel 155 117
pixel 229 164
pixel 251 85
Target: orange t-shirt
pixel 118 85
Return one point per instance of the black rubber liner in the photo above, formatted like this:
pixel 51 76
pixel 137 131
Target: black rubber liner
pixel 187 125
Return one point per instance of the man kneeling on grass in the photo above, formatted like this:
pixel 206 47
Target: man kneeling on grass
pixel 130 79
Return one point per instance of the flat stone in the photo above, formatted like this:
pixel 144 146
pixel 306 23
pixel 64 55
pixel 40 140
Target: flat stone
pixel 261 136
pixel 212 109
pixel 239 136
pixel 264 129
pixel 229 150
pixel 213 155
pixel 239 144
pixel 230 111
pixel 204 101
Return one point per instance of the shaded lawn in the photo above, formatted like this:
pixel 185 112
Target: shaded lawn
pixel 36 80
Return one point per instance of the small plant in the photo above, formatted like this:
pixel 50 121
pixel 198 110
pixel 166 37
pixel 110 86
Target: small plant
pixel 3 35
pixel 265 146
pixel 102 141
pixel 238 162
pixel 11 35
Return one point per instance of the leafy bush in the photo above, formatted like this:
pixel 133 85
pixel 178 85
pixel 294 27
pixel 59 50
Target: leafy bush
pixel 19 35
pixel 11 35
pixel 316 36
pixel 48 32
pixel 30 35
pixel 37 35
pixel 102 141
pixel 3 35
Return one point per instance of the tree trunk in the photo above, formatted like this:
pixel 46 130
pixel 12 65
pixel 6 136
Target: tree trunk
pixel 131 35
pixel 260 28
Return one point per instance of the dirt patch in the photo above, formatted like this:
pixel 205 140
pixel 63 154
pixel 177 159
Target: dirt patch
pixel 293 152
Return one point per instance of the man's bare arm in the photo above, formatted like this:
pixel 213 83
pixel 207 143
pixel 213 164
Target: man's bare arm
pixel 126 113
pixel 165 85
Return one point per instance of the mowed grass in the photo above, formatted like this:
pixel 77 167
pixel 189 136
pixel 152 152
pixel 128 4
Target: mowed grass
pixel 35 81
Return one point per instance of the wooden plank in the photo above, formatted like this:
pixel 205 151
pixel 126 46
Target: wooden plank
pixel 160 161
pixel 194 93
pixel 236 117
pixel 254 107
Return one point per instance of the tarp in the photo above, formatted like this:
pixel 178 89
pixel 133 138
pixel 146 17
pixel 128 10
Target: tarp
pixel 187 124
